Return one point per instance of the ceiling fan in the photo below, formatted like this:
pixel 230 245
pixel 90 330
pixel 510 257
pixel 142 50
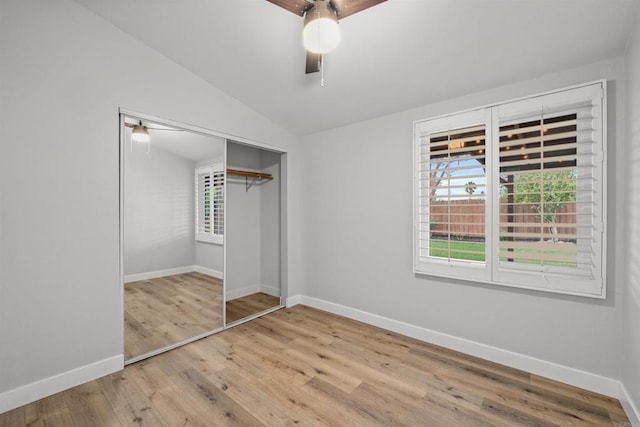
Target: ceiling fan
pixel 320 32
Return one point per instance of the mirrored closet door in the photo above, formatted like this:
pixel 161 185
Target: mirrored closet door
pixel 254 223
pixel 173 227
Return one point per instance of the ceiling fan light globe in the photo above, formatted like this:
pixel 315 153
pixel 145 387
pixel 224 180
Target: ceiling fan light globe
pixel 321 35
pixel 140 134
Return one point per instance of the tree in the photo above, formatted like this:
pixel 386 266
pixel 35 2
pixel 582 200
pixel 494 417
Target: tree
pixel 470 187
pixel 439 171
pixel 547 193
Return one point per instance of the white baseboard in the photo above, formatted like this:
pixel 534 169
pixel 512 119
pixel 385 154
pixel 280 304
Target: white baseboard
pixel 209 272
pixel 564 374
pixel 632 411
pixel 242 292
pixel 159 273
pixel 270 290
pixel 294 300
pixel 171 271
pixel 37 390
pixel 252 289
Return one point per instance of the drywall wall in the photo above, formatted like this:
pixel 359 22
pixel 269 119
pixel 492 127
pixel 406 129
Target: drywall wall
pixel 270 224
pixel 158 210
pixel 631 236
pixel 356 225
pixel 242 238
pixel 64 72
pixel 210 255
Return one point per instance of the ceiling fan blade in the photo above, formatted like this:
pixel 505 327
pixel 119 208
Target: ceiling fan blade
pixel 314 60
pixel 299 7
pixel 346 8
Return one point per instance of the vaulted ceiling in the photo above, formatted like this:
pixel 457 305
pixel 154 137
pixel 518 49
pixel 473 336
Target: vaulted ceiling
pixel 394 56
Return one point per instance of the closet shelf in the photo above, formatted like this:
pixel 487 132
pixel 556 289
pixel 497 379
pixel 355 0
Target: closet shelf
pixel 249 174
pixel 256 176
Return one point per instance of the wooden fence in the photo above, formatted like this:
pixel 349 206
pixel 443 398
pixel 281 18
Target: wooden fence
pixel 466 218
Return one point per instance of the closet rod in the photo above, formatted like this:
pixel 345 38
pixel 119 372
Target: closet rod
pixel 249 174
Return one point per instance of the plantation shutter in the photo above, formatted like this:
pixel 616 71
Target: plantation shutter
pixel 218 203
pixel 513 194
pixel 209 203
pixel 550 190
pixel 452 193
pixel 204 220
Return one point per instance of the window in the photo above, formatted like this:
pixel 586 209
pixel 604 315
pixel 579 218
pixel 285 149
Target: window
pixel 210 204
pixel 513 194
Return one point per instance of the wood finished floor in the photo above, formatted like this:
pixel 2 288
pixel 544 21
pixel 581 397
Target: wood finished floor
pixel 242 307
pixel 301 366
pixel 166 310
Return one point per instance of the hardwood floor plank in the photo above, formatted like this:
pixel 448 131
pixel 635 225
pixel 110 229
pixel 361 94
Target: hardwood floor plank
pixel 51 411
pixel 170 309
pixel 264 406
pixel 607 403
pixel 300 366
pixel 14 417
pixel 89 407
pixel 240 308
pixel 175 408
pixel 514 416
pixel 128 402
pixel 219 408
pixel 527 399
pixel 359 411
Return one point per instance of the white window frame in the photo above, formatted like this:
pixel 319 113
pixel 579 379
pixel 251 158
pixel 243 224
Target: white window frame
pixel 492 271
pixel 211 237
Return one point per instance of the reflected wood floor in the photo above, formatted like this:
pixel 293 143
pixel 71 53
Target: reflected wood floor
pixel 251 304
pixel 162 311
pixel 307 367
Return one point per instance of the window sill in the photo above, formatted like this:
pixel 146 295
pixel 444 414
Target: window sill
pixel 213 240
pixel 596 290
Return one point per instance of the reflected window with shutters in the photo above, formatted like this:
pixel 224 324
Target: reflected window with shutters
pixel 513 194
pixel 209 182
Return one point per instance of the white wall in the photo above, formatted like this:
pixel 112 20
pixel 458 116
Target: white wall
pixel 270 277
pixel 64 73
pixel 356 225
pixel 631 256
pixel 242 224
pixel 158 210
pixel 210 255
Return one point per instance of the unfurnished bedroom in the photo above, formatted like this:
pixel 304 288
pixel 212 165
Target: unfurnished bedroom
pixel 320 212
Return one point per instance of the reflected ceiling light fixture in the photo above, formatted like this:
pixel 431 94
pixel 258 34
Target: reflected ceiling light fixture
pixel 321 33
pixel 140 133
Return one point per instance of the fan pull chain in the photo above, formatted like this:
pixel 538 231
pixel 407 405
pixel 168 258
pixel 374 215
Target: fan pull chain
pixel 321 72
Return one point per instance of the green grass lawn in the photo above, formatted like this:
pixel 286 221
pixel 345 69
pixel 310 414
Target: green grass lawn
pixel 474 251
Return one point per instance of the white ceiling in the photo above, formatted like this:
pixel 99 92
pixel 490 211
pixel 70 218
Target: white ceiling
pixel 397 55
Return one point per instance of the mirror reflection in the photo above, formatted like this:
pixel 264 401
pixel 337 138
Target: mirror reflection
pixel 173 235
pixel 253 269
